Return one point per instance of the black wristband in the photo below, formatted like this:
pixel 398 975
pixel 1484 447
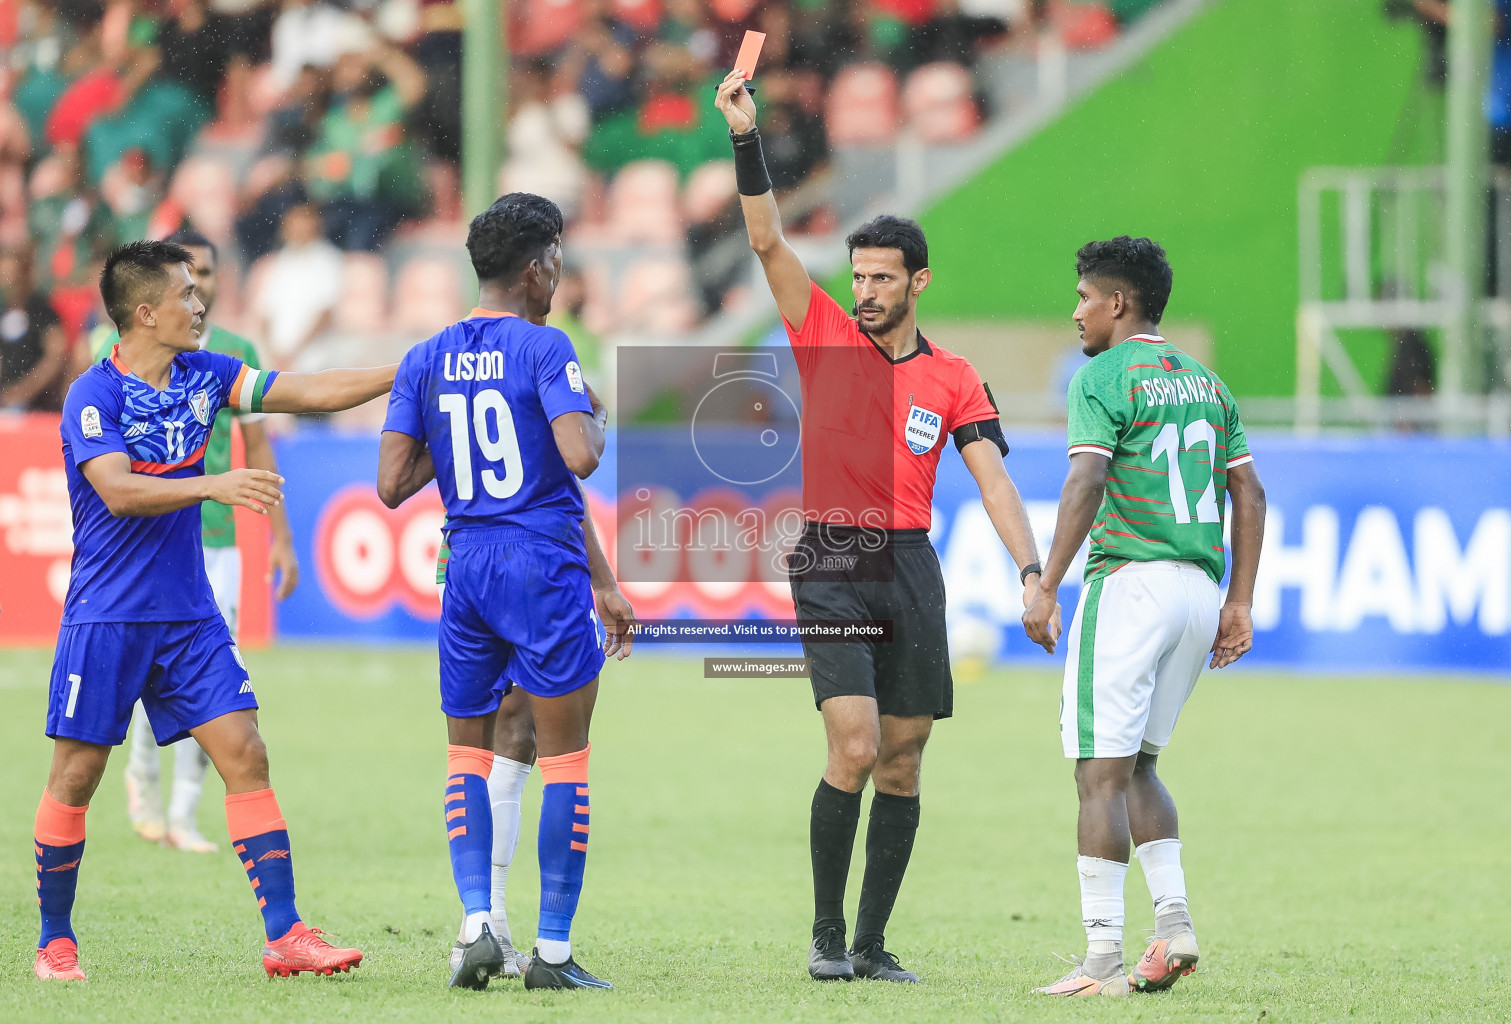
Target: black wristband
pixel 1029 570
pixel 750 164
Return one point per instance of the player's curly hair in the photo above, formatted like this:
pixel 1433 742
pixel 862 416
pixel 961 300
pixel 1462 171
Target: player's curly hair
pixel 889 232
pixel 1137 265
pixel 135 273
pixel 517 228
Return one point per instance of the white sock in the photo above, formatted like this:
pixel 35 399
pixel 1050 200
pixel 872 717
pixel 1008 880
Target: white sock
pixel 1163 873
pixel 473 926
pixel 553 951
pixel 506 785
pixel 1102 903
pixel 143 757
pixel 190 764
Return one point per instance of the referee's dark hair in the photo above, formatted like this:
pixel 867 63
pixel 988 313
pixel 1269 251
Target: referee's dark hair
pixel 1137 265
pixel 135 273
pixel 517 228
pixel 191 239
pixel 889 232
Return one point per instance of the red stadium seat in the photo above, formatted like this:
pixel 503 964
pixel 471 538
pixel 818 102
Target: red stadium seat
pixel 543 25
pixel 643 203
pixel 862 108
pixel 644 15
pixel 427 295
pixel 1085 26
pixel 940 103
pixel 206 189
pixel 363 308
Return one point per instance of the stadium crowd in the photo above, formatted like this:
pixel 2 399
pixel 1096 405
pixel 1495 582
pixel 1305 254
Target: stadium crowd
pixel 318 145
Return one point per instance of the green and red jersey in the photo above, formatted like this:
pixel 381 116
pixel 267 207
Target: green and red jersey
pixel 1171 428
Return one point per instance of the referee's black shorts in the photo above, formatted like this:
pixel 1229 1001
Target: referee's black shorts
pixel 836 576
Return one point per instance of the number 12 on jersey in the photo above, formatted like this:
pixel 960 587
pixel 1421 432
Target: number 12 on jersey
pixel 497 446
pixel 1167 444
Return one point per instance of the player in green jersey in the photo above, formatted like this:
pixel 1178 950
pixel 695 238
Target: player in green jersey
pixel 1156 447
pixel 222 564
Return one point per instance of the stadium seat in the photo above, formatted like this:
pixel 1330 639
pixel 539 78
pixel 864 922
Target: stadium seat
pixel 1085 26
pixel 940 103
pixel 544 25
pixel 206 189
pixel 427 295
pixel 862 107
pixel 641 15
pixel 656 298
pixel 643 203
pixel 709 189
pixel 363 308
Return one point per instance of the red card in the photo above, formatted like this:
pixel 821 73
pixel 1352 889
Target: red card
pixel 750 52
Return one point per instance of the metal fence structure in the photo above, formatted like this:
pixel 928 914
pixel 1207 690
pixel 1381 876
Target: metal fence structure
pixel 1373 257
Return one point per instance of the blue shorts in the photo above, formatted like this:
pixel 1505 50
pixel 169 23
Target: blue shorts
pixel 184 673
pixel 518 609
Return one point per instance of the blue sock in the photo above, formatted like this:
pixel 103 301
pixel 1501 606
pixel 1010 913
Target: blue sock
pixel 271 869
pixel 57 881
pixel 469 834
pixel 58 840
pixel 563 851
pixel 261 840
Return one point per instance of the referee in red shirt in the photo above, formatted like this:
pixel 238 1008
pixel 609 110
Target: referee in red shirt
pixel 878 401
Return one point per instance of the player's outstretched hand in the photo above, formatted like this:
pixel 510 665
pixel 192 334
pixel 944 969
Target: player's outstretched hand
pixel 1235 635
pixel 1041 621
pixel 256 489
pixel 735 103
pixel 617 617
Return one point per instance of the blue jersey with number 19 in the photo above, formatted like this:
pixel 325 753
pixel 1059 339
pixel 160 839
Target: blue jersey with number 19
pixel 481 395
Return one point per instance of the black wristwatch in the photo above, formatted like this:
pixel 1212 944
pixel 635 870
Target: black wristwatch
pixel 1029 570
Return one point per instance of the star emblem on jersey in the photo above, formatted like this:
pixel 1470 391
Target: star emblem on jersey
pixel 199 405
pixel 922 430
pixel 574 376
pixel 89 422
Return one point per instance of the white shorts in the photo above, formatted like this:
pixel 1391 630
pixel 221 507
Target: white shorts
pixel 223 566
pixel 1138 641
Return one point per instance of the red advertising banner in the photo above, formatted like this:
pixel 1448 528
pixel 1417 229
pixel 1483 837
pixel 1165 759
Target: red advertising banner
pixel 36 539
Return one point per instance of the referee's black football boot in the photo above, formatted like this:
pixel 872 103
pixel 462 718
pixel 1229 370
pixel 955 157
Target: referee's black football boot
pixel 877 964
pixel 827 960
pixel 482 958
pixel 568 975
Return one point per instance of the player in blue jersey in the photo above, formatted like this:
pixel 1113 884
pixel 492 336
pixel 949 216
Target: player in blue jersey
pixel 139 619
pixel 495 408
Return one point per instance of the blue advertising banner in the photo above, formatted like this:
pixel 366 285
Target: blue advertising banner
pixel 1380 554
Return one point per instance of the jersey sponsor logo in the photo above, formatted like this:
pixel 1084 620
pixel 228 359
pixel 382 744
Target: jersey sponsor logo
pixel 138 429
pixel 574 376
pixel 922 431
pixel 199 405
pixel 246 684
pixel 89 422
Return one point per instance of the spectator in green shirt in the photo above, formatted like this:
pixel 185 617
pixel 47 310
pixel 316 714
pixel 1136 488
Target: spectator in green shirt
pixel 222 564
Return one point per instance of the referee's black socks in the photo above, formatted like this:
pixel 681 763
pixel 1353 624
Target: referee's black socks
pixel 889 845
pixel 831 839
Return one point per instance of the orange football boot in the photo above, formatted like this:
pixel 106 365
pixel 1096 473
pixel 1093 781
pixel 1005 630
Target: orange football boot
pixel 58 961
pixel 302 949
pixel 1079 983
pixel 1165 962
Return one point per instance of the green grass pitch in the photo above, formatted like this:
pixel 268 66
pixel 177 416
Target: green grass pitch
pixel 1346 849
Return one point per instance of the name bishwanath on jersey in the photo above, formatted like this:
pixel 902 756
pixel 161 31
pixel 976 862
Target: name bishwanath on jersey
pixel 1180 390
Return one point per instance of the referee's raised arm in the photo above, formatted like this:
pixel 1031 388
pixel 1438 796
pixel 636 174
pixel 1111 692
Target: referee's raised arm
pixel 785 273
